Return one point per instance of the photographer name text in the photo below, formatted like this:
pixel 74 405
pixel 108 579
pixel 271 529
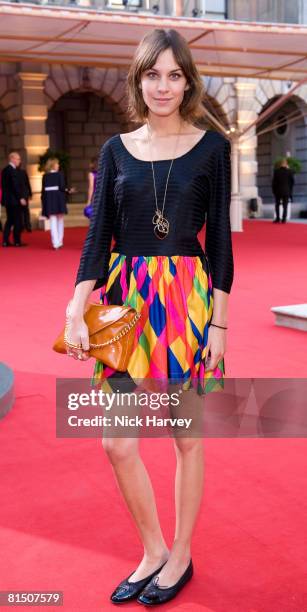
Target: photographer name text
pixel 125 421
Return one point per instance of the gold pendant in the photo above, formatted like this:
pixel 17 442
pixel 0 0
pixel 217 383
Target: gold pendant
pixel 161 224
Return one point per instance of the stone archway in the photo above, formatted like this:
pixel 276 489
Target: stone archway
pixel 287 139
pixel 217 109
pixel 85 107
pixel 79 123
pixel 218 99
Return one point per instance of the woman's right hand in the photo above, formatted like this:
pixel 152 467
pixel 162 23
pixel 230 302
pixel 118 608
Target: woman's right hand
pixel 77 333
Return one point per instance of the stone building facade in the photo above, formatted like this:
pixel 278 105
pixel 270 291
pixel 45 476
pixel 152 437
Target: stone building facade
pixel 76 109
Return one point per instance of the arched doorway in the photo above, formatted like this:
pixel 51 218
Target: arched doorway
pixel 79 123
pixel 216 110
pixel 288 137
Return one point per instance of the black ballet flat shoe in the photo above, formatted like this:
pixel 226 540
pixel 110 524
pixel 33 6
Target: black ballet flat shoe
pixel 126 591
pixel 153 594
pixel 276 221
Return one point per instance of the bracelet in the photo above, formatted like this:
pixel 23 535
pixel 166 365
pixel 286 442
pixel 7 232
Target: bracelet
pixel 221 327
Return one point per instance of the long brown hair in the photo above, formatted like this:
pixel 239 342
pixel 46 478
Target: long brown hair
pixel 145 56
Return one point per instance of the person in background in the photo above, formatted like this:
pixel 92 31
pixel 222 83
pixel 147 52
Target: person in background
pixel 282 187
pixel 92 179
pixel 53 198
pixel 25 213
pixel 13 198
pixel 1 228
pixel 291 194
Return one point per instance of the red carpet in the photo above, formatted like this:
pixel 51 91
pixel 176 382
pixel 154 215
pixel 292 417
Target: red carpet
pixel 63 524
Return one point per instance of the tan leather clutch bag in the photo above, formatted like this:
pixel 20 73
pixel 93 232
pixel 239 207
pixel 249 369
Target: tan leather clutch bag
pixel 111 334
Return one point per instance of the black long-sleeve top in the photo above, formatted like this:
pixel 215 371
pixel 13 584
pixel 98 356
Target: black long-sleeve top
pixel 199 191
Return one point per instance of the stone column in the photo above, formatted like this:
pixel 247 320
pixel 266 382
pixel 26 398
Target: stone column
pixel 236 202
pixel 247 144
pixel 33 115
pixel 178 8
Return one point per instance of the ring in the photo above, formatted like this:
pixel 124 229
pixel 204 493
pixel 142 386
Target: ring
pixel 80 356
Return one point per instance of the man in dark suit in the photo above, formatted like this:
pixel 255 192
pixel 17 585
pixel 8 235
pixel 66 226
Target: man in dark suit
pixel 13 198
pixel 282 186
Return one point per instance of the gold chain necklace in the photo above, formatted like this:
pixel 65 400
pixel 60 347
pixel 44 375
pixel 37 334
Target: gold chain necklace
pixel 161 224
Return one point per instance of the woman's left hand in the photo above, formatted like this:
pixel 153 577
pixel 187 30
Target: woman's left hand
pixel 216 345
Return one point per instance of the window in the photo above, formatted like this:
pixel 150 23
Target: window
pixel 282 128
pixel 270 11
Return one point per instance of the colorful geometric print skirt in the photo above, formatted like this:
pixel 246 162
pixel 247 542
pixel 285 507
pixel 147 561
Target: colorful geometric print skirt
pixel 174 295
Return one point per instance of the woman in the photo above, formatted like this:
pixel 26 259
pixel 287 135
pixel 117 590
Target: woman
pixel 158 266
pixel 92 181
pixel 54 200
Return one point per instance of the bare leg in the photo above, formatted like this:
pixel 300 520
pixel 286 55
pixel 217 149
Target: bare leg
pixel 188 490
pixel 188 493
pixel 135 485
